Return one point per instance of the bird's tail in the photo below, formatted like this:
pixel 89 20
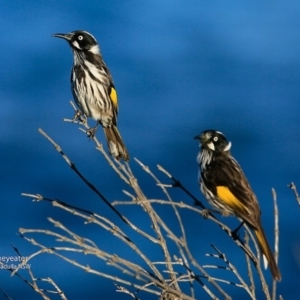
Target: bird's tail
pixel 115 143
pixel 268 256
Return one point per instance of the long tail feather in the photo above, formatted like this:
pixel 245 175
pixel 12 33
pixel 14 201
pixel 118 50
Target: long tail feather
pixel 115 143
pixel 267 253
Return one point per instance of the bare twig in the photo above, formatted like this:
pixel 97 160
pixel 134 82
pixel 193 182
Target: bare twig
pixel 155 225
pixel 5 295
pixel 92 218
pixel 250 274
pixel 276 234
pixel 56 287
pixel 53 251
pixel 74 168
pixel 122 289
pixel 233 269
pixel 293 187
pixel 163 277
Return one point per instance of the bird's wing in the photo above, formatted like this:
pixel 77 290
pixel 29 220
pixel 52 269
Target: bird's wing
pixel 230 185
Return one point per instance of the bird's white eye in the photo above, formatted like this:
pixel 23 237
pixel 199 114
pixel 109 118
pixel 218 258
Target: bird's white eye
pixel 80 37
pixel 215 138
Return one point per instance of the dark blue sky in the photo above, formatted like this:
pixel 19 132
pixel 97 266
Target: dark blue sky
pixel 180 67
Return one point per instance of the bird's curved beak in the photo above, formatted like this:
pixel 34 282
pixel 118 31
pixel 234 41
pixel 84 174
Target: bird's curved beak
pixel 65 36
pixel 202 138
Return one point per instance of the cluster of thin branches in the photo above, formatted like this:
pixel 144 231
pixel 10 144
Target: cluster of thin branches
pixel 178 274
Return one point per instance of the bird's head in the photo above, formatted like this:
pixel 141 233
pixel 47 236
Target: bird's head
pixel 213 140
pixel 80 40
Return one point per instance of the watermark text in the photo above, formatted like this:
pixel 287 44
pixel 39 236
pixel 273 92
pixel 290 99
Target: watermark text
pixel 14 262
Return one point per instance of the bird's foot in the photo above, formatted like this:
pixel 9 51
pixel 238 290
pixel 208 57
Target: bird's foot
pixel 79 116
pixel 224 213
pixel 91 132
pixel 205 213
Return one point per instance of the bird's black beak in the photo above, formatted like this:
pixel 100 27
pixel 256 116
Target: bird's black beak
pixel 65 36
pixel 202 138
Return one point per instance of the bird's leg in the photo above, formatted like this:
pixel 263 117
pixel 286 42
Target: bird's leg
pixel 235 231
pixel 206 212
pixel 92 131
pixel 78 116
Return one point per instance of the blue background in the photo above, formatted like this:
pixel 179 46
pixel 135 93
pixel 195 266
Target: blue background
pixel 180 67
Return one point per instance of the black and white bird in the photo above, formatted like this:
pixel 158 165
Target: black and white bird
pixel 225 186
pixel 93 88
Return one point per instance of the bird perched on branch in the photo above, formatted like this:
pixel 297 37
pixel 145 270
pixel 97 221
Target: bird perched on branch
pixel 93 88
pixel 226 188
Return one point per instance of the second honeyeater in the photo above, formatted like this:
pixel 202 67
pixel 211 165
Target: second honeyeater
pixel 226 188
pixel 93 88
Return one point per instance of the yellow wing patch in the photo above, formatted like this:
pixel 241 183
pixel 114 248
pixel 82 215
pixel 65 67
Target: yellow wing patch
pixel 225 195
pixel 113 96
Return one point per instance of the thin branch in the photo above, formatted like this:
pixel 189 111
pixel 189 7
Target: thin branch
pixel 276 234
pixel 85 268
pixel 250 274
pixel 293 187
pixel 56 287
pixel 90 185
pixel 94 218
pixel 155 225
pixel 234 270
pixel 5 295
pixel 122 289
pixel 207 276
pixel 32 284
pixel 177 183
